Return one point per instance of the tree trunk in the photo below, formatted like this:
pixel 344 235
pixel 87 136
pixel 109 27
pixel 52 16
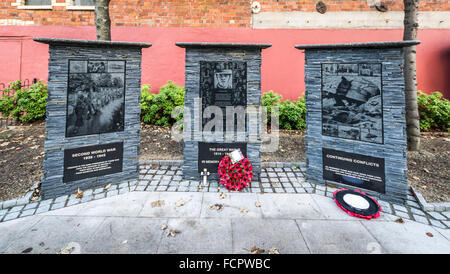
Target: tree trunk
pixel 412 114
pixel 102 20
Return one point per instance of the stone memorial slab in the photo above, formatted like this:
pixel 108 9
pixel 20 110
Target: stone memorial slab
pixel 355 120
pixel 93 114
pixel 222 100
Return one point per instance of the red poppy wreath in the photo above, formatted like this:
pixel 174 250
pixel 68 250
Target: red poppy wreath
pixel 235 176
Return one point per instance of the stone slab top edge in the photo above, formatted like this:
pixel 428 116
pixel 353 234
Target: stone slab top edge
pixel 76 42
pixel 221 45
pixel 390 44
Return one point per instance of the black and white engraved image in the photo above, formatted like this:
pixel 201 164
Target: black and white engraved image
pixel 95 97
pixel 352 102
pixel 223 79
pixel 223 84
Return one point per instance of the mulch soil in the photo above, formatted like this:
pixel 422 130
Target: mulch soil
pixel 22 154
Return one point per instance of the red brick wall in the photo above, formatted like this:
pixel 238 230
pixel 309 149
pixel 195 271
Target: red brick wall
pixel 192 13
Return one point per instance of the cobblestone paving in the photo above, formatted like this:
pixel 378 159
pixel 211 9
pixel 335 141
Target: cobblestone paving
pixel 154 177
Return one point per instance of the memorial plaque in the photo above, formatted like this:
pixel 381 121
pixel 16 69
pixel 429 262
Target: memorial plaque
pixel 95 97
pixel 223 84
pixel 354 169
pixel 210 154
pixel 92 161
pixel 352 101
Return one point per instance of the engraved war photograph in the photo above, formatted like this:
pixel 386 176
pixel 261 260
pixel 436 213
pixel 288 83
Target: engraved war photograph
pixel 95 97
pixel 351 102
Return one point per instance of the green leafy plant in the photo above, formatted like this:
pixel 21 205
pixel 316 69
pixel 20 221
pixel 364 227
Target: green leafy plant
pixel 24 104
pixel 157 108
pixel 434 111
pixel 292 114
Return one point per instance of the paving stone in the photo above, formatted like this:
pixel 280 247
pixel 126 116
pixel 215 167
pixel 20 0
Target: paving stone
pixel 420 219
pixel 300 190
pixel 28 212
pixel 437 223
pixel 402 214
pixel 30 206
pixel 98 190
pixel 320 192
pixel 72 202
pixel 16 208
pixel 99 196
pixel 147 177
pixel 290 190
pixel 57 205
pixel 320 187
pixel 157 177
pixel 172 188
pixel 166 178
pixel 284 180
pixel 161 188
pixel 150 188
pixel 140 188
pixel 399 208
pixel 112 193
pixel 152 171
pixel 11 216
pixel 268 190
pixel 154 183
pixel 164 183
pixel 417 211
pixel 447 223
pixel 309 189
pixel 386 209
pixel 413 204
pixel 61 199
pixel 170 172
pixel 437 215
pixel 282 174
pixel 177 178
pixel 272 175
pixel 159 172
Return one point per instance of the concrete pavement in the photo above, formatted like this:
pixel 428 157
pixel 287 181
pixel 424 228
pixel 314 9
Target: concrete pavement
pixel 291 223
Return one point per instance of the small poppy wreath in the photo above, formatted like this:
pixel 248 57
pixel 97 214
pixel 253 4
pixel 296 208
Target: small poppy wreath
pixel 235 176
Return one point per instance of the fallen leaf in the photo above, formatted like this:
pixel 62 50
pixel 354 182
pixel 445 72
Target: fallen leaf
pixel 173 232
pixel 218 207
pixel 158 203
pixel 222 195
pixel 258 204
pixel 273 251
pixel 200 186
pixel 180 203
pixel 163 227
pixel 4 144
pixel 28 250
pixel 107 187
pixel 429 234
pixel 244 210
pixel 66 250
pixel 256 250
pixel 124 242
pixel 79 194
pixel 399 220
pixel 426 170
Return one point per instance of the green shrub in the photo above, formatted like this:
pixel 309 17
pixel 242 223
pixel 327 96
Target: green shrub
pixel 292 114
pixel 157 108
pixel 434 111
pixel 24 104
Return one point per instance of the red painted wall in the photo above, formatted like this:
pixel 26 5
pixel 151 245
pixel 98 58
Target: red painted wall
pixel 282 64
